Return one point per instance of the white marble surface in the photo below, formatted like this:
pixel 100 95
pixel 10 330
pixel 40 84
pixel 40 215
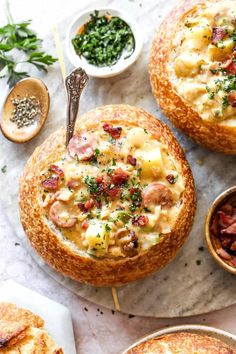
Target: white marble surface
pixel 95 332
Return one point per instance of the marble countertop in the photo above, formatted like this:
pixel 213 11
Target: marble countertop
pixel 97 330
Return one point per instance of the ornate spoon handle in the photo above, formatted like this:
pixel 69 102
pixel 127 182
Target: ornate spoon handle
pixel 75 83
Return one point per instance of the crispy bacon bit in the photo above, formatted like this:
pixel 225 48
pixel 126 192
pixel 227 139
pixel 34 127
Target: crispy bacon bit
pixel 57 170
pixel 98 203
pixel 134 238
pixel 222 253
pixel 225 219
pixel 226 241
pixel 133 243
pixel 233 246
pixel 82 207
pixel 119 176
pixel 51 183
pixel 131 160
pixel 233 261
pixel 113 192
pixel 85 224
pixel 229 66
pixel 232 98
pixel 231 230
pixel 218 34
pixel 115 132
pixel 89 204
pixel 85 207
pixel 99 179
pixel 223 228
pixel 171 179
pixel 140 220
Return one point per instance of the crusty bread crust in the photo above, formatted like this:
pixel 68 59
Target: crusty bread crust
pixel 182 343
pixel 21 331
pixel 61 254
pixel 216 136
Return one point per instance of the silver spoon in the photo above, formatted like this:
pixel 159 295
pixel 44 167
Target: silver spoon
pixel 75 83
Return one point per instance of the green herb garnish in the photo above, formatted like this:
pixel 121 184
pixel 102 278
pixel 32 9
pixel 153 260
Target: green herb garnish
pixel 107 228
pixel 225 102
pixel 91 184
pixel 211 94
pixel 19 37
pixel 124 217
pixel 103 39
pixel 4 169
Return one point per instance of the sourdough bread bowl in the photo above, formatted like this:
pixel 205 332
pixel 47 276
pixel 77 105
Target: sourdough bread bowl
pixel 182 343
pixel 116 204
pixel 193 71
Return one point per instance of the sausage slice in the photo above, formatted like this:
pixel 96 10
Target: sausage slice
pixel 81 146
pixel 157 194
pixel 61 216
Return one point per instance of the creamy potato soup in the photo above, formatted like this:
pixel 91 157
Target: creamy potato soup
pixel 203 60
pixel 114 192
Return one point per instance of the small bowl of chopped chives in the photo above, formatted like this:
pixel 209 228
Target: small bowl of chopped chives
pixel 104 42
pixel 25 110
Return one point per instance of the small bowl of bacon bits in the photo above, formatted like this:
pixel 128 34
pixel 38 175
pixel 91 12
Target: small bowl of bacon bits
pixel 220 230
pixel 104 42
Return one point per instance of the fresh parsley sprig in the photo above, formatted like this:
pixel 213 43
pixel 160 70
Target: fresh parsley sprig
pixel 20 37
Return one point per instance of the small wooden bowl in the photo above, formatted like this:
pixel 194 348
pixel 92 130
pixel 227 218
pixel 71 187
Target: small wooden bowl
pixel 25 88
pixel 210 240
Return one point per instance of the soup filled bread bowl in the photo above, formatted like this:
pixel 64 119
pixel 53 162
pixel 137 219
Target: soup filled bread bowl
pixel 182 343
pixel 113 206
pixel 193 71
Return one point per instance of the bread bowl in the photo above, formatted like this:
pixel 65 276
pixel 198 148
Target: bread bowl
pixel 21 331
pixel 192 71
pixel 113 207
pixel 182 343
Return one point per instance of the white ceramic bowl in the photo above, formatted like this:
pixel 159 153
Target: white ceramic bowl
pixel 92 70
pixel 224 336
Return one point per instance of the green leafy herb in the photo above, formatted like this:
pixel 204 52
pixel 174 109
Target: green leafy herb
pixel 103 39
pixel 214 71
pixel 107 228
pixel 211 94
pixel 20 37
pixel 225 102
pixel 97 152
pixel 124 217
pixel 91 184
pixel 233 36
pixel 4 169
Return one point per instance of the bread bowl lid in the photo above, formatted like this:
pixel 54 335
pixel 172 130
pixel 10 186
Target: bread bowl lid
pixel 57 317
pixel 224 336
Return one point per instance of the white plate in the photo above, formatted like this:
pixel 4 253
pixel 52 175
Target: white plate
pixel 224 336
pixel 57 317
pixel 106 71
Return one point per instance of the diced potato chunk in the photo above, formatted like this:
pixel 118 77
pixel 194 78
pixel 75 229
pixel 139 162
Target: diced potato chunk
pixel 188 64
pixel 151 161
pixel 198 36
pixel 220 51
pixel 97 238
pixel 136 137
